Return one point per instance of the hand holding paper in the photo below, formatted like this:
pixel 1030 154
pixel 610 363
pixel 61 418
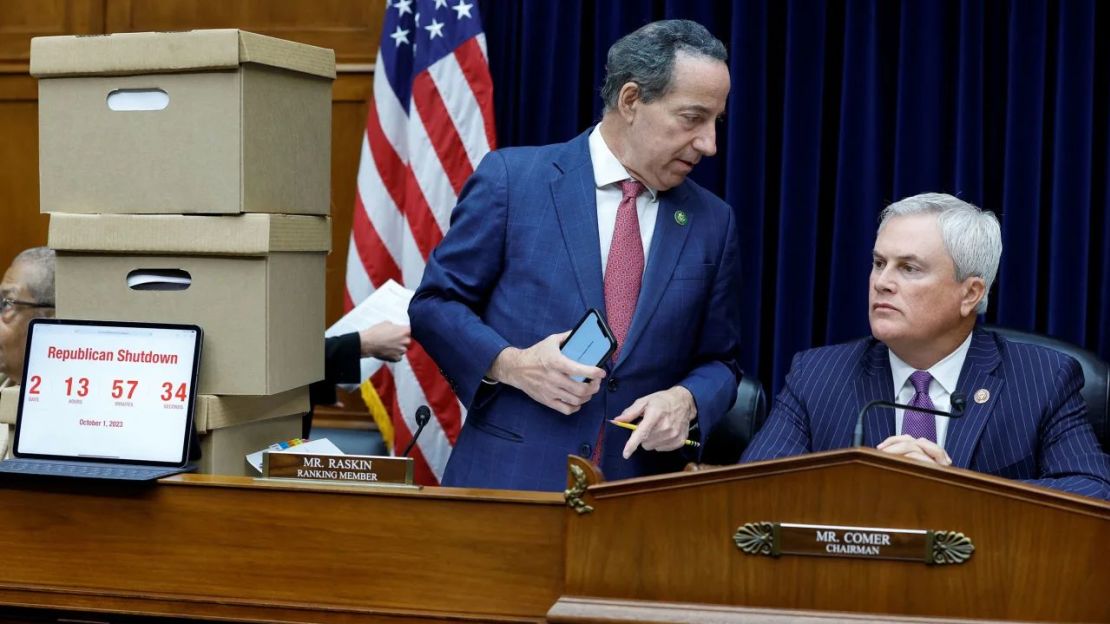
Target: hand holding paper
pixel 390 303
pixel 385 341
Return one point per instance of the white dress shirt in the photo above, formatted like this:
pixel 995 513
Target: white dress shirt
pixel 945 375
pixel 608 173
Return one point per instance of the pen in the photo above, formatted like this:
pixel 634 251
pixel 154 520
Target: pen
pixel 631 427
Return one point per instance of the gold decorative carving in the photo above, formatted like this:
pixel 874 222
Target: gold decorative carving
pixel 950 547
pixel 573 494
pixel 756 538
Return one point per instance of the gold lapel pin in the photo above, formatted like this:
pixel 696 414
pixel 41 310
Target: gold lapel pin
pixel 982 395
pixel 680 217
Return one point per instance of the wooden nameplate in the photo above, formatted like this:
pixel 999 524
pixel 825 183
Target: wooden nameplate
pixel 345 469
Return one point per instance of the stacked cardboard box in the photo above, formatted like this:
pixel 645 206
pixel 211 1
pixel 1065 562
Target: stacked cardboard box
pixel 187 176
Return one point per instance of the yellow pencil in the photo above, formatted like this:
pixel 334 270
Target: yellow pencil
pixel 631 427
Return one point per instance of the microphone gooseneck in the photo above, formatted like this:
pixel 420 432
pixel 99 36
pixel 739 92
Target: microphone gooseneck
pixel 959 403
pixel 423 415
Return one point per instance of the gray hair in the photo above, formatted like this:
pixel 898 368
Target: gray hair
pixel 40 282
pixel 971 235
pixel 646 57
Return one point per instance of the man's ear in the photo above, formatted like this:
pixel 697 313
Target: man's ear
pixel 627 100
pixel 974 289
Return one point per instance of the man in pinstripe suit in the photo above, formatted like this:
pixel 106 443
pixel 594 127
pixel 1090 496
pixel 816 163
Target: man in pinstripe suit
pixel 935 258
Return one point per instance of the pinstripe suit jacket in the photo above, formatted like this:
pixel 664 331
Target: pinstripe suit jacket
pixel 1033 427
pixel 522 261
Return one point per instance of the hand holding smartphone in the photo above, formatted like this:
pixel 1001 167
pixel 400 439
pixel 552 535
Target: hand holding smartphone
pixel 590 342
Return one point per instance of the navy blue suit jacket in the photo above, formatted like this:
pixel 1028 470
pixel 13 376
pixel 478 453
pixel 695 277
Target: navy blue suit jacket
pixel 522 261
pixel 1033 427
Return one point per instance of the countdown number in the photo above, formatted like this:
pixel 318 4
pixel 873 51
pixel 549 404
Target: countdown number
pixel 118 388
pixel 168 392
pixel 82 386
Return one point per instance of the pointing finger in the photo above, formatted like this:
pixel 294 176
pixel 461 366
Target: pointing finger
pixel 634 441
pixel 632 412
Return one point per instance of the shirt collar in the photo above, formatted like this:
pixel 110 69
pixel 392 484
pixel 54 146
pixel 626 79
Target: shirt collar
pixel 607 169
pixel 946 372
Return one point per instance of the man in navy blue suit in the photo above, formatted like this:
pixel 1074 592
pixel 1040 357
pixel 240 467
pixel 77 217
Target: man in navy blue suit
pixel 606 221
pixel 935 258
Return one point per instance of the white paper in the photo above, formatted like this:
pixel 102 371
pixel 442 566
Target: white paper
pixel 323 446
pixel 388 303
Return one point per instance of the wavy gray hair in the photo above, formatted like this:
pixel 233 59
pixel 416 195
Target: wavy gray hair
pixel 40 281
pixel 646 57
pixel 971 235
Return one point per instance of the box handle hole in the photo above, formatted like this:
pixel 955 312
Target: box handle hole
pixel 138 100
pixel 159 279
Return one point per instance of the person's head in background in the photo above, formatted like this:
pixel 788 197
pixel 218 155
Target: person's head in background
pixel 935 258
pixel 26 292
pixel 665 88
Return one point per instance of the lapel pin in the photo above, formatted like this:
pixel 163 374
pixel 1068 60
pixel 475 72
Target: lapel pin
pixel 680 217
pixel 982 395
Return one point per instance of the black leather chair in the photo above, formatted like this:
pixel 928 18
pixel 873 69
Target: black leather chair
pixel 735 431
pixel 1096 375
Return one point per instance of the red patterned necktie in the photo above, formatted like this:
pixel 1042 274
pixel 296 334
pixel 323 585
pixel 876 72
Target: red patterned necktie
pixel 625 268
pixel 920 424
pixel 623 273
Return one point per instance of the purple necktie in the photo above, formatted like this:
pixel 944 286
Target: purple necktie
pixel 920 424
pixel 625 268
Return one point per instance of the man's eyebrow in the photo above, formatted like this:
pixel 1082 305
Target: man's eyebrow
pixel 694 108
pixel 902 258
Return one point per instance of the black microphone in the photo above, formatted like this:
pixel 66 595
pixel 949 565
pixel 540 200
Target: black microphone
pixel 423 415
pixel 959 402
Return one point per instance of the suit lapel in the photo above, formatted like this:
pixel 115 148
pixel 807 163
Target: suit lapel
pixel 667 240
pixel 977 374
pixel 874 383
pixel 575 200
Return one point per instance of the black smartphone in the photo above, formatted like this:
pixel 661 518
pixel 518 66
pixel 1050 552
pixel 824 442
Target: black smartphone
pixel 591 342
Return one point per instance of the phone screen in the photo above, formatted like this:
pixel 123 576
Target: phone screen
pixel 590 343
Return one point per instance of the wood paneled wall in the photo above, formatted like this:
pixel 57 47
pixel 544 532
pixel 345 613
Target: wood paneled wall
pixel 351 27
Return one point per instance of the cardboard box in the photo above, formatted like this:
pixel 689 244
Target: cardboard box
pixel 256 288
pixel 232 427
pixel 244 123
pixel 229 427
pixel 9 404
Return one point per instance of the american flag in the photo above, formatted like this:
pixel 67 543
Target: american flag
pixel 429 123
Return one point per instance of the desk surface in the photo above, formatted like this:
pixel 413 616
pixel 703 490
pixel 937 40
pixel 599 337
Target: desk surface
pixel 654 549
pixel 200 545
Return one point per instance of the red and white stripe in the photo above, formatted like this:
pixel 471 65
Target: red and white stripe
pixel 411 171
